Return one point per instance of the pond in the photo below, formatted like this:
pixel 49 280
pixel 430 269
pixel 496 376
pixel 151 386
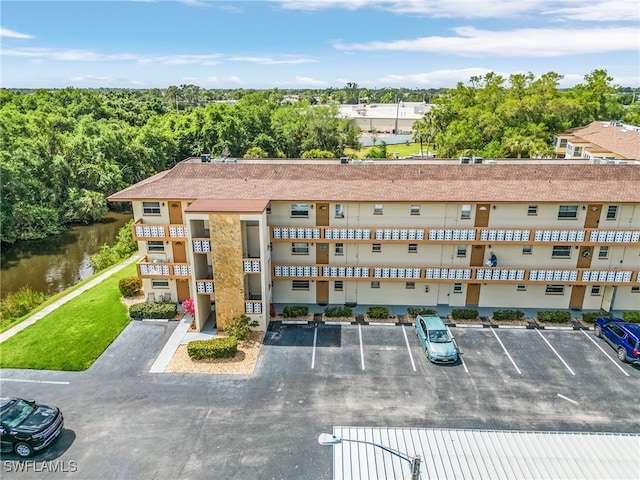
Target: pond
pixel 57 263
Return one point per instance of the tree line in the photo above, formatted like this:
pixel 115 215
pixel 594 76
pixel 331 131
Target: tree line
pixel 64 151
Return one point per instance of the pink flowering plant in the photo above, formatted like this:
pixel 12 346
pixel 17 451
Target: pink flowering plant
pixel 189 306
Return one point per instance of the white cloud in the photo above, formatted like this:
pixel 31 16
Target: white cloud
pixel 544 42
pixel 595 10
pixel 89 78
pixel 273 61
pixel 311 82
pixel 6 33
pixel 234 79
pixel 432 79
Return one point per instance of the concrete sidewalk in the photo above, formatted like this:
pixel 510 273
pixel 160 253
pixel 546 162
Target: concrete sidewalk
pixel 61 301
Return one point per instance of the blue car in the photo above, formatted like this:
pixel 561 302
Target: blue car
pixel 621 335
pixel 436 340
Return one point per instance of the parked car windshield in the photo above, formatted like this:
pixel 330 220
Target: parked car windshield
pixel 17 413
pixel 439 336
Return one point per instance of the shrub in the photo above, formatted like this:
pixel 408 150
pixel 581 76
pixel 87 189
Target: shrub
pixel 240 328
pixel 295 311
pixel 130 286
pixel 189 306
pixel 153 310
pixel 554 316
pixel 123 248
pixel 21 302
pixel 590 317
pixel 501 315
pixel 425 312
pixel 338 312
pixel 464 314
pixel 217 347
pixel 378 312
pixel 632 316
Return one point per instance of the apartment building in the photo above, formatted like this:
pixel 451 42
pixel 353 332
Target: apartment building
pixel 241 235
pixel 600 142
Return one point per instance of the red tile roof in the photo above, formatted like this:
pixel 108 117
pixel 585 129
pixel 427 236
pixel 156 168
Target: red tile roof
pixel 391 182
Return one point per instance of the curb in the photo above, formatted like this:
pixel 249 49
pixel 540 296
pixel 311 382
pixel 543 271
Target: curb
pixel 454 325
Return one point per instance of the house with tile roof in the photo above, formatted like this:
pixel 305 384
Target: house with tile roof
pixel 241 235
pixel 600 142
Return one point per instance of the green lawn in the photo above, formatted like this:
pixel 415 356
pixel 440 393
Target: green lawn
pixel 73 336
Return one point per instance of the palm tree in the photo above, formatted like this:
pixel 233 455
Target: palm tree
pixel 517 143
pixel 424 131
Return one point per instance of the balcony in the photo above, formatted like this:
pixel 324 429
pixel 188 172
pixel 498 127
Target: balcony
pixel 251 265
pixel 143 232
pixel 201 245
pixel 162 269
pixel 573 276
pixel 533 236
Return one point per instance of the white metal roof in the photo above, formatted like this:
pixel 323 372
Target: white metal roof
pixel 485 454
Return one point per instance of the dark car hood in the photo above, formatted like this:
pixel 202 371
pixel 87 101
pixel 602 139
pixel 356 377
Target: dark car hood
pixel 40 419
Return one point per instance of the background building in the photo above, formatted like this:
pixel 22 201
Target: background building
pixel 241 235
pixel 600 142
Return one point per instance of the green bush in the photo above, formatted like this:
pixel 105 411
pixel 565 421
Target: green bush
pixel 153 310
pixel 590 317
pixel 632 316
pixel 501 315
pixel 554 316
pixel 425 312
pixel 217 347
pixel 338 312
pixel 130 286
pixel 123 248
pixel 240 328
pixel 464 314
pixel 378 312
pixel 294 311
pixel 21 302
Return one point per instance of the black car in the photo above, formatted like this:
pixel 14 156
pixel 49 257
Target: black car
pixel 27 427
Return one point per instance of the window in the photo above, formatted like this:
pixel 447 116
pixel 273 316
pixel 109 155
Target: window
pixel 300 285
pixel 268 208
pixel 635 289
pixel 595 290
pixel 577 151
pixel 603 252
pixel 339 249
pixel 465 211
pixel 415 209
pixel 462 251
pixel 159 283
pixel 299 248
pixel 300 210
pixel 527 249
pixel 410 285
pixel 457 288
pixel 337 285
pixel 612 212
pixel 555 290
pixel 521 288
pixel 413 248
pixel 151 208
pixel 377 209
pixel 375 284
pixel 561 251
pixel 532 210
pixel 568 212
pixel 376 247
pixel 155 246
pixel 339 210
pixel 563 143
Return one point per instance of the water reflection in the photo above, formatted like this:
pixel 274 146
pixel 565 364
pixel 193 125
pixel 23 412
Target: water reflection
pixel 59 262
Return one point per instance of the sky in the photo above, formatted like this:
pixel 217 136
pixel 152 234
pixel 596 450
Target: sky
pixel 312 43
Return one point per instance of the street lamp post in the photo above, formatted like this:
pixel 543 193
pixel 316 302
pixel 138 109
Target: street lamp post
pixel 414 461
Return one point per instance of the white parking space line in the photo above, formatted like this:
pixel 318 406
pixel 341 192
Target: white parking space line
pixel 34 381
pixel 313 351
pixel 557 354
pixel 568 399
pixel 458 349
pixel 406 340
pixel 505 350
pixel 361 347
pixel 602 350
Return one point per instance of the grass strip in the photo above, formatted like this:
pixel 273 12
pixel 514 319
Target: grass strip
pixel 74 335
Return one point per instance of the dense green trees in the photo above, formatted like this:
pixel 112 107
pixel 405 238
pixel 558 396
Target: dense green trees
pixel 64 151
